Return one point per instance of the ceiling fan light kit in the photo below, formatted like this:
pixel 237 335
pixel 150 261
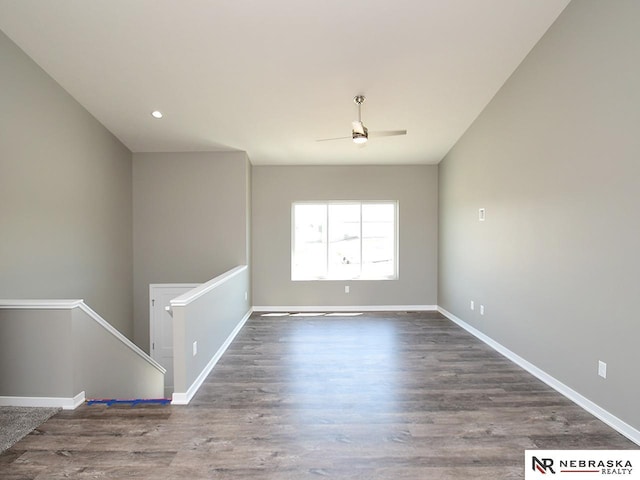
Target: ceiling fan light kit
pixel 359 138
pixel 360 133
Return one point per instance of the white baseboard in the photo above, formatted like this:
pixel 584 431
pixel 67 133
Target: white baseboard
pixel 346 308
pixel 183 398
pixel 70 403
pixel 614 422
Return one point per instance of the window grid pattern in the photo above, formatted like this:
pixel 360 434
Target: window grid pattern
pixel 344 241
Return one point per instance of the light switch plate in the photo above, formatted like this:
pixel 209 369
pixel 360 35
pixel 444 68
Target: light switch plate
pixel 602 369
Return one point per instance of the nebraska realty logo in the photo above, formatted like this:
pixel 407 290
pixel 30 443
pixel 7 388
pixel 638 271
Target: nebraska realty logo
pixel 581 464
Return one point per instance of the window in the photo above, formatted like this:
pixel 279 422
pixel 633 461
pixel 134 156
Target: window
pixel 344 241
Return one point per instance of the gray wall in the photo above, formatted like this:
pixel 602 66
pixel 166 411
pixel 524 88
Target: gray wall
pixel 65 196
pixel 554 159
pixel 35 355
pixel 62 352
pixel 106 367
pixel 190 215
pixel 209 320
pixel 275 188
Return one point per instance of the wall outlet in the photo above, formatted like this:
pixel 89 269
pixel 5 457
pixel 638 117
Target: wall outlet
pixel 195 348
pixel 472 305
pixel 602 369
pixel 346 289
pixel 481 214
pixel 481 309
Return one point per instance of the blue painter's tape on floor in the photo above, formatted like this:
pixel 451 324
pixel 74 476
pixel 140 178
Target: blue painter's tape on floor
pixel 138 401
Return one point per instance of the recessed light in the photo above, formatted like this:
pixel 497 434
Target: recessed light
pixel 156 114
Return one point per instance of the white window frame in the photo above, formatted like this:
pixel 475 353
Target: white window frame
pixel 396 266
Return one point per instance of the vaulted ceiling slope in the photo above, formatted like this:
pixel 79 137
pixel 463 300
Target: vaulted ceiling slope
pixel 271 77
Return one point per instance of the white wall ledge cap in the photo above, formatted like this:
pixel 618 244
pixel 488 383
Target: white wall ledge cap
pixel 62 304
pixel 188 297
pixel 41 303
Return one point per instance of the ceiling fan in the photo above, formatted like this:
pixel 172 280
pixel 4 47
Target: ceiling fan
pixel 359 133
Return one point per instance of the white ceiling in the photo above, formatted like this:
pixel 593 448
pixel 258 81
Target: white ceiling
pixel 270 77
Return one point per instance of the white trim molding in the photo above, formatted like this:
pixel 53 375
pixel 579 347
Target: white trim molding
pixel 183 398
pixel 190 296
pixel 174 285
pixel 614 422
pixel 70 403
pixel 107 326
pixel 64 304
pixel 346 308
pixel 32 304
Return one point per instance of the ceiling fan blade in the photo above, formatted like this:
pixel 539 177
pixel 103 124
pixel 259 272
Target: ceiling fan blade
pixel 330 139
pixel 387 133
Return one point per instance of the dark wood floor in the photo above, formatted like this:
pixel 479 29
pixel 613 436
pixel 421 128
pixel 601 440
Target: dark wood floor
pixel 381 396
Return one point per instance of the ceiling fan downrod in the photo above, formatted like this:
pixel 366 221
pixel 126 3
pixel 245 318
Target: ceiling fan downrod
pixel 359 100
